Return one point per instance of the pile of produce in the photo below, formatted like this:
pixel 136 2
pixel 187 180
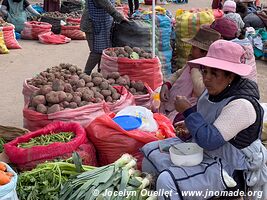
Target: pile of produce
pixel 120 177
pixel 67 87
pixel 44 140
pixel 128 52
pixel 5 177
pixel 57 14
pixel 135 87
pixel 46 180
pixel 74 14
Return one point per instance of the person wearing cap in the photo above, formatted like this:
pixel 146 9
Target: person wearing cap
pixel 229 9
pixel 188 80
pixel 226 124
pixel 229 31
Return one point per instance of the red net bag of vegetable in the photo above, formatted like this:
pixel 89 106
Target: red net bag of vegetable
pixel 145 70
pixel 35 147
pixel 111 141
pixel 32 29
pixel 74 32
pixel 126 99
pixel 9 37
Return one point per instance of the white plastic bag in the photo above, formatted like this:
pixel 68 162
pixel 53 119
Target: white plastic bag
pixel 148 122
pixel 8 191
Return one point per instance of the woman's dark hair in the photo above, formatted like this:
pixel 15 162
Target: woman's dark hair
pixel 242 9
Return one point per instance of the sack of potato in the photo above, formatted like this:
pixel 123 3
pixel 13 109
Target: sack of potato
pixel 134 62
pixel 65 93
pixel 141 91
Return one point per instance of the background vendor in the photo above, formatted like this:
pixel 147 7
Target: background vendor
pixel 15 12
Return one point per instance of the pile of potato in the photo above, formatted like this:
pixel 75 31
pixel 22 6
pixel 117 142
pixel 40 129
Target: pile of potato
pixel 67 87
pixel 57 14
pixel 127 52
pixel 135 87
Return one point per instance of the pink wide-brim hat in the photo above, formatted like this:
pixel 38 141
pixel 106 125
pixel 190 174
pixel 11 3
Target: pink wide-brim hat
pixel 225 55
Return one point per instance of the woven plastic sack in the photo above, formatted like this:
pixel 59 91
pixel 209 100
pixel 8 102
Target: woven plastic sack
pixel 32 29
pixel 73 20
pixel 73 32
pixel 28 156
pixel 9 133
pixel 3 48
pixel 144 99
pixel 126 99
pixel 145 70
pixel 33 120
pixel 51 38
pixel 187 25
pixel 111 141
pixel 86 152
pixel 10 38
pixel 8 191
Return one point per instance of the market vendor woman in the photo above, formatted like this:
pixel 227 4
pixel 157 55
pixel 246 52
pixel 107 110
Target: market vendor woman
pixel 15 12
pixel 227 125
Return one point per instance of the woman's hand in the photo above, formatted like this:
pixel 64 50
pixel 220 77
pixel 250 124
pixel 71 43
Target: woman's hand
pixel 181 130
pixel 164 93
pixel 181 104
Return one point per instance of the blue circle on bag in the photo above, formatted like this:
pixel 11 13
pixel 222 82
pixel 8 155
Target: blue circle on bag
pixel 128 122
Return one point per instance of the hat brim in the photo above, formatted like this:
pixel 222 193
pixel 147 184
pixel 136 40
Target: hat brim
pixel 196 43
pixel 240 69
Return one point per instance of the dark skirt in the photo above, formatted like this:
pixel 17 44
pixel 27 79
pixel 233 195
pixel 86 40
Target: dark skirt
pixel 51 5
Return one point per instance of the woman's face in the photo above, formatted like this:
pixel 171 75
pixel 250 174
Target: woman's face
pixel 215 80
pixel 197 53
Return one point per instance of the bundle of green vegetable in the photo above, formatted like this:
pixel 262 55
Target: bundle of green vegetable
pixel 46 180
pixel 115 181
pixel 2 142
pixel 44 140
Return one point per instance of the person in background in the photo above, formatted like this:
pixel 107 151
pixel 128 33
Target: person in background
pixel 217 4
pixel 96 22
pixel 188 80
pixel 51 5
pixel 132 7
pixel 229 9
pixel 250 19
pixel 229 31
pixel 233 153
pixel 15 12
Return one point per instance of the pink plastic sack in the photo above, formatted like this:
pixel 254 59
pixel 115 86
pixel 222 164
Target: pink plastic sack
pixel 145 70
pixel 51 38
pixel 145 99
pixel 9 37
pixel 126 99
pixel 30 157
pixel 74 20
pixel 111 141
pixel 32 29
pixel 73 32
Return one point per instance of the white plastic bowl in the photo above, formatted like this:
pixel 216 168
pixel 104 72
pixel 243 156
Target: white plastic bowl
pixel 186 154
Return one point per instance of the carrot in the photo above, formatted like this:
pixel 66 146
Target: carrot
pixel 9 174
pixel 4 179
pixel 2 167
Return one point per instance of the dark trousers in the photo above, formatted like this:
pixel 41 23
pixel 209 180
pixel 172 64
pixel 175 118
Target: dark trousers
pixel 136 5
pixel 93 58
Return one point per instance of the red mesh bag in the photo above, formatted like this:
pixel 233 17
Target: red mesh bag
pixel 29 157
pixel 9 37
